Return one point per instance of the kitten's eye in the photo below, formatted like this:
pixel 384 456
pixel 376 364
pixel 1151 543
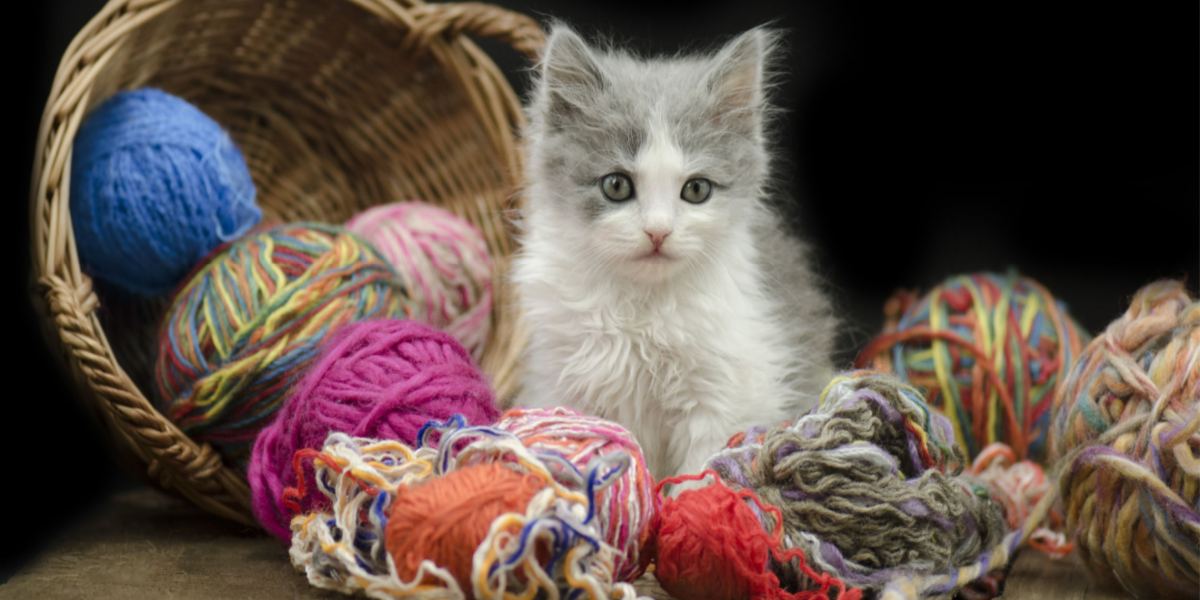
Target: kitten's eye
pixel 616 187
pixel 696 190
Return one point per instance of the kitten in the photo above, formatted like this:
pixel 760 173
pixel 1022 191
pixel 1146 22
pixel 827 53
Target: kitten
pixel 658 287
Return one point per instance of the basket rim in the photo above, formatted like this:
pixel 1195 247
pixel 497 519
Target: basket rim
pixel 64 296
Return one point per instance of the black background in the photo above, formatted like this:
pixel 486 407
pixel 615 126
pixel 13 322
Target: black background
pixel 920 140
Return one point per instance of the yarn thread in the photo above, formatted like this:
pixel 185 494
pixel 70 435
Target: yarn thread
pixel 248 324
pixel 381 379
pixel 867 484
pixel 626 508
pixel 987 350
pixel 1126 429
pixel 442 258
pixel 156 185
pixel 553 546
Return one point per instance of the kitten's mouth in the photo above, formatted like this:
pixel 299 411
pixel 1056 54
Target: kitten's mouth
pixel 655 256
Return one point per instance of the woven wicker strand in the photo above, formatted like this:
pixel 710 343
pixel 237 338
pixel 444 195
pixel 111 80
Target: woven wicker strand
pixel 337 106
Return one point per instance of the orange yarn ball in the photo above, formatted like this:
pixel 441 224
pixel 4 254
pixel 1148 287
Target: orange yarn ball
pixel 445 519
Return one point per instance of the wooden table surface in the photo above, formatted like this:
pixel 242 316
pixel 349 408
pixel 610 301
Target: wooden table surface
pixel 145 544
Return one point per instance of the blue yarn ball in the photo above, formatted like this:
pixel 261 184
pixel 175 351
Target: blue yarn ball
pixel 156 185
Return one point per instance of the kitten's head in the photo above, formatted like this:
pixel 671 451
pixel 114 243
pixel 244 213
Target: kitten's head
pixel 647 166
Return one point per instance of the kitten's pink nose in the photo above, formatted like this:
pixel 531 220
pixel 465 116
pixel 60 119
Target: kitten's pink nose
pixel 657 236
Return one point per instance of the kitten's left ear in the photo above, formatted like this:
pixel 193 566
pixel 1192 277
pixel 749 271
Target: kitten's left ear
pixel 736 79
pixel 570 76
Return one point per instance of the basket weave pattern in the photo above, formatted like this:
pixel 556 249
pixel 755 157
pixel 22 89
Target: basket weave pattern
pixel 337 105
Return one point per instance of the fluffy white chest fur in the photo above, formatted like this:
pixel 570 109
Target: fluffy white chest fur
pixel 657 288
pixel 683 366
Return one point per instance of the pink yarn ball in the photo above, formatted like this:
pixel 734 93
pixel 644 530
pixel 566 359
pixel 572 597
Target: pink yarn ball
pixel 379 379
pixel 628 507
pixel 443 261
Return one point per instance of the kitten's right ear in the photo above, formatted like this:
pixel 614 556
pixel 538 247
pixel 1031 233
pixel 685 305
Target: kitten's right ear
pixel 735 82
pixel 569 74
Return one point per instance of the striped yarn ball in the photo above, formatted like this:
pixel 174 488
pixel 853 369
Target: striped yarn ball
pixel 442 259
pixel 627 507
pixel 243 330
pixel 1126 434
pixel 987 350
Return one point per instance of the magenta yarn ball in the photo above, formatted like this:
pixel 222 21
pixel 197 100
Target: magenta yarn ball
pixel 379 379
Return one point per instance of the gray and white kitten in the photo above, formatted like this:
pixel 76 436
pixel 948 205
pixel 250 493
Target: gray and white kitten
pixel 658 287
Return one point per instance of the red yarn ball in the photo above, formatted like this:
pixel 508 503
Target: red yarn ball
pixel 712 546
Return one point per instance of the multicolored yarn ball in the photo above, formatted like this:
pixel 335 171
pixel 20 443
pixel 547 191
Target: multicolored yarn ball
pixel 381 535
pixel 987 350
pixel 381 379
pixel 156 185
pixel 1126 434
pixel 627 508
pixel 252 319
pixel 868 486
pixel 711 545
pixel 442 258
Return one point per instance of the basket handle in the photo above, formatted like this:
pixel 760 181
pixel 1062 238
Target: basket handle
pixel 521 32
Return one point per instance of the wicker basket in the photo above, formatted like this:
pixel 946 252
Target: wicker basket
pixel 337 105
